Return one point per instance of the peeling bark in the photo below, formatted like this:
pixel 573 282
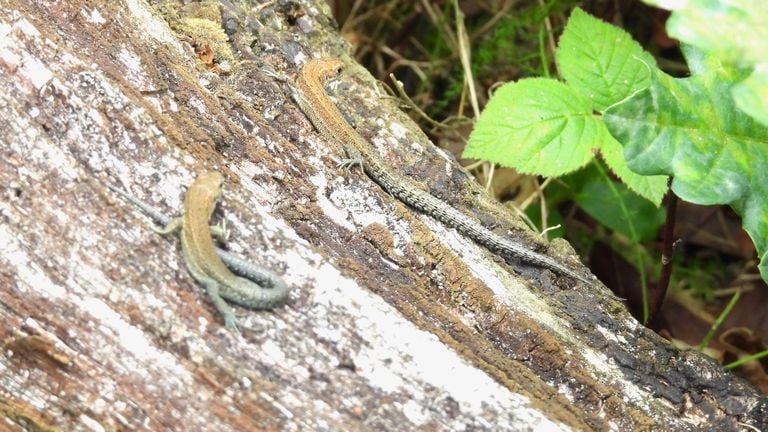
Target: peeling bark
pixel 395 322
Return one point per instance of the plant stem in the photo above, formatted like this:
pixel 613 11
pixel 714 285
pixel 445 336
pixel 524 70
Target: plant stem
pixel 625 213
pixel 746 359
pixel 719 321
pixel 666 251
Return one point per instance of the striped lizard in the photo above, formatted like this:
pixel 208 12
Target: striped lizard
pixel 258 288
pixel 313 100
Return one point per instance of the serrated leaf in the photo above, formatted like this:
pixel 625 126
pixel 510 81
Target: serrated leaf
pixel 653 188
pixel 691 129
pixel 733 31
pixel 601 61
pixel 537 126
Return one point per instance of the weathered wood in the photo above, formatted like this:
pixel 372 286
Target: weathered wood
pixel 395 322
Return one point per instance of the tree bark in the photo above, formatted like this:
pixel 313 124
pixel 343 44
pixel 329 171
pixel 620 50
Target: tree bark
pixel 395 322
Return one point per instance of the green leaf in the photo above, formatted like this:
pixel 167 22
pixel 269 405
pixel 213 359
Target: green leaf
pixel 601 61
pixel 616 207
pixel 691 129
pixel 751 96
pixel 734 31
pixel 653 188
pixel 537 126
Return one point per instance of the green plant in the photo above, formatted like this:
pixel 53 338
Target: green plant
pixel 512 39
pixel 719 321
pixel 703 130
pixel 710 129
pixel 747 359
pixel 734 32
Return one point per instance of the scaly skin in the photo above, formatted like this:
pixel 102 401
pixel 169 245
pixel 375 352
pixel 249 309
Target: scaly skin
pixel 255 273
pixel 327 119
pixel 205 261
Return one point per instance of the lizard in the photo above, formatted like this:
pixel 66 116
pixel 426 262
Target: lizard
pixel 255 287
pixel 309 93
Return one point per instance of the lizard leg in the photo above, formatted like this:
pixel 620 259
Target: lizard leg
pixel 212 289
pixel 220 231
pixel 353 158
pixel 171 228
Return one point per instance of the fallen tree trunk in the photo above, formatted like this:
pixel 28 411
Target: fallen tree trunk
pixel 395 322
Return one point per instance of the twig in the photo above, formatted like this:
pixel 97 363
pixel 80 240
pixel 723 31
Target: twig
pixel 666 251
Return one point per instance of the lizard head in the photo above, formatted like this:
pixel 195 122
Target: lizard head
pixel 327 68
pixel 211 181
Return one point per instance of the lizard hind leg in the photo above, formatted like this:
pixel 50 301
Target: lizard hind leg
pixel 220 231
pixel 172 227
pixel 213 291
pixel 354 158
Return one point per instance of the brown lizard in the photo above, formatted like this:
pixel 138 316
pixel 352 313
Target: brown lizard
pixel 325 116
pixel 262 289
